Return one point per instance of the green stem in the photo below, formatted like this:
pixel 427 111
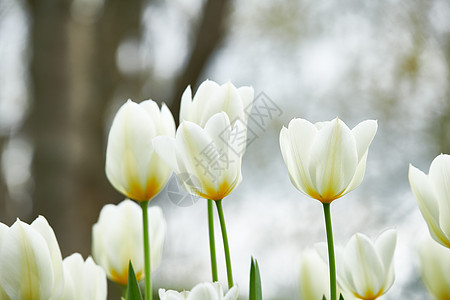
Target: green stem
pixel 212 244
pixel 331 261
pixel 225 243
pixel 148 280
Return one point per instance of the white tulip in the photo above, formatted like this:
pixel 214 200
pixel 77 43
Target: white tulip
pixel 212 98
pixel 210 155
pixel 117 238
pixel 435 263
pixel 365 268
pixel 83 279
pixel 432 192
pixel 30 261
pixel 132 166
pixel 202 291
pixel 326 160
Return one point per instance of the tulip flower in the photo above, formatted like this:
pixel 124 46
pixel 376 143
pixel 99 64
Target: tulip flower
pixel 314 283
pixel 434 265
pixel 83 279
pixel 326 160
pixel 117 239
pixel 212 98
pixel 432 192
pixel 365 268
pixel 202 291
pixel 212 160
pixel 30 261
pixel 132 165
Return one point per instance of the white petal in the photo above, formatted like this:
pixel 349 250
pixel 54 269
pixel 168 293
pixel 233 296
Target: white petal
pixel 168 123
pixel 165 147
pixel 232 294
pixel 203 291
pixel 440 179
pixel 226 98
pixel 295 144
pixel 42 226
pixel 364 133
pixel 333 161
pixel 364 265
pixel 201 100
pixel 385 247
pixel 428 204
pixel 247 95
pixel 186 105
pixel 25 257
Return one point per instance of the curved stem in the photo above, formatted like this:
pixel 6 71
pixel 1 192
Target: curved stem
pixel 225 243
pixel 212 244
pixel 148 280
pixel 331 261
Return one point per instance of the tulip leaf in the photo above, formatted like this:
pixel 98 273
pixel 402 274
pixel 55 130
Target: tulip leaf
pixel 133 291
pixel 341 297
pixel 255 292
pixel 324 298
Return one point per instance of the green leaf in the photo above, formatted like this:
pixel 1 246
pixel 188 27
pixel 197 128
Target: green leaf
pixel 255 292
pixel 341 297
pixel 133 291
pixel 324 298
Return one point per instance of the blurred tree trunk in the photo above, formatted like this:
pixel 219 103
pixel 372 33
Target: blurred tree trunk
pixel 74 76
pixel 208 36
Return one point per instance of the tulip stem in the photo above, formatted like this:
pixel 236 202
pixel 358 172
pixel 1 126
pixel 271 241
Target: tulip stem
pixel 148 280
pixel 331 261
pixel 212 243
pixel 225 243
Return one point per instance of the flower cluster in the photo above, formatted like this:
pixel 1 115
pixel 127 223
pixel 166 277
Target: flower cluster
pixel 325 161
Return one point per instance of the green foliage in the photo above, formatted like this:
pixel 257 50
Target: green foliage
pixel 133 291
pixel 255 292
pixel 341 297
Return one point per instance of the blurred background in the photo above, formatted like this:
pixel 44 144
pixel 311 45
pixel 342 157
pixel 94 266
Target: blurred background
pixel 66 66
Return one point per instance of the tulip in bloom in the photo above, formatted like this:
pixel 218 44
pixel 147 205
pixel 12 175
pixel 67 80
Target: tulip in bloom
pixel 365 268
pixel 83 279
pixel 30 261
pixel 202 291
pixel 326 160
pixel 432 192
pixel 314 279
pixel 212 160
pixel 132 166
pixel 117 238
pixel 434 264
pixel 212 98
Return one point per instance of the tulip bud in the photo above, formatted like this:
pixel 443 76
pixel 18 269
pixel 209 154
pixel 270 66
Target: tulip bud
pixel 132 165
pixel 326 160
pixel 30 261
pixel 117 238
pixel 83 279
pixel 432 192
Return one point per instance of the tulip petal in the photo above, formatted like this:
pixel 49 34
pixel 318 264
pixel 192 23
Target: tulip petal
pixel 200 101
pixel 364 133
pixel 42 226
pixel 25 263
pixel 247 95
pixel 166 149
pixel 295 144
pixel 203 291
pixel 363 267
pixel 186 105
pixel 427 201
pixel 333 160
pixel 226 98
pixel 167 121
pixel 440 178
pixel 232 294
pixel 385 247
